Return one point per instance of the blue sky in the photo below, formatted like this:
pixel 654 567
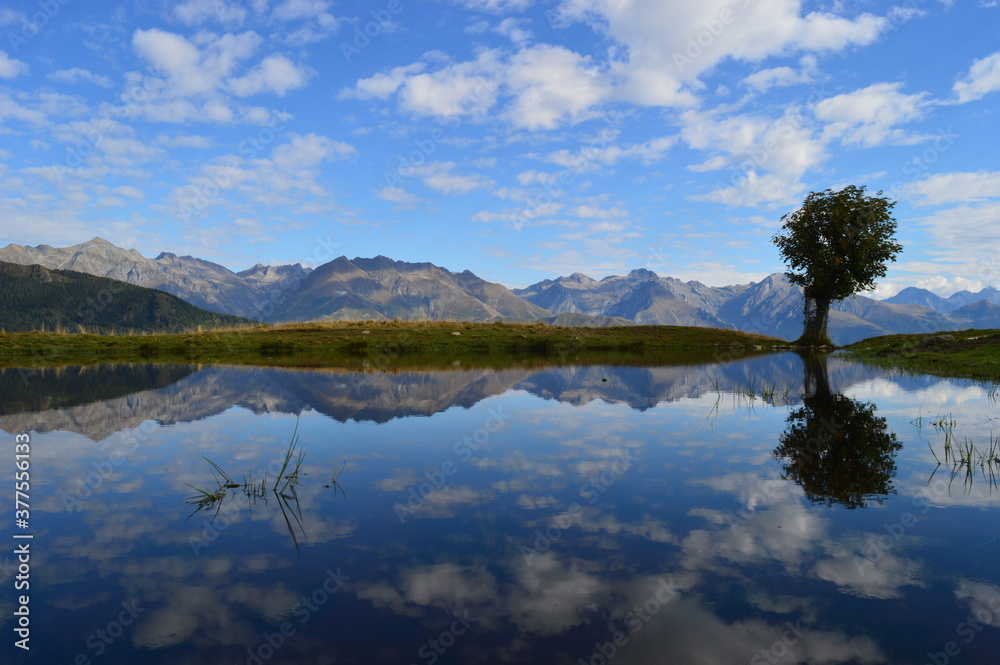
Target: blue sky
pixel 519 139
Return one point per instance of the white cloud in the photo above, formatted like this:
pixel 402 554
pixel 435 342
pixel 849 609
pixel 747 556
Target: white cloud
pixel 826 32
pixel 197 12
pixel 402 199
pixel 589 157
pixel 883 290
pixel 549 86
pixel 209 64
pixel 668 45
pixel 945 286
pixel 109 144
pixel 127 152
pixel 468 88
pixel 753 189
pixel 967 235
pixel 10 108
pixel 552 85
pixel 765 79
pixel 513 29
pixel 867 117
pixel 184 141
pixel 536 178
pixel 317 23
pixel 276 74
pixel 591 211
pixel 288 178
pixel 76 75
pixel 382 86
pixel 194 78
pixel 495 6
pixel 291 10
pixel 129 192
pixel 11 68
pixel 308 151
pixel 785 146
pixel 439 176
pixel 958 187
pixel 982 78
pixel 189 69
pixel 179 58
pixel 520 215
pixel 766 157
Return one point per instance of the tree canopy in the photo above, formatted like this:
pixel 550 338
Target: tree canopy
pixel 836 244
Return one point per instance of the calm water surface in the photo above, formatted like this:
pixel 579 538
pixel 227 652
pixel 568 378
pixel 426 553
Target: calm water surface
pixel 699 514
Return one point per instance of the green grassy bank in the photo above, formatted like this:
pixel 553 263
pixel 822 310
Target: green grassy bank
pixel 387 345
pixel 966 353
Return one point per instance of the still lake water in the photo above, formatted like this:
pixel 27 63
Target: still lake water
pixel 695 514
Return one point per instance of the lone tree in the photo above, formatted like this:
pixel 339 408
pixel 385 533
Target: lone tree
pixel 836 244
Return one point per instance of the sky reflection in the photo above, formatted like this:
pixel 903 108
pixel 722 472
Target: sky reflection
pixel 547 515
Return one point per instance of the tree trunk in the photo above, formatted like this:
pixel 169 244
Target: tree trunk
pixel 817 311
pixel 817 381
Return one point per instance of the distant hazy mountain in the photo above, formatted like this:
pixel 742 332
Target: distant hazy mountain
pixel 915 296
pixel 383 289
pixel 911 295
pixel 577 320
pixel 284 277
pixel 641 296
pixel 36 298
pixel 980 314
pixel 199 282
pixel 963 298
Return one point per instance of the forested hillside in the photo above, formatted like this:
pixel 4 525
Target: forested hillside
pixel 36 298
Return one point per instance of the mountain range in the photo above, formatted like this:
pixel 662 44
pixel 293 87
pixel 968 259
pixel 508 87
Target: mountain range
pixel 201 283
pixel 380 288
pixel 914 296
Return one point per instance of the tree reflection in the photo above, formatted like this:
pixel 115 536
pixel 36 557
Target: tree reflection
pixel 835 447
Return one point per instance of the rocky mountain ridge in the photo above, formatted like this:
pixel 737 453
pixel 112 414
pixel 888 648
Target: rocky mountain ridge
pixel 381 288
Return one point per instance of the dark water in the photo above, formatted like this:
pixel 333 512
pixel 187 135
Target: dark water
pixel 707 514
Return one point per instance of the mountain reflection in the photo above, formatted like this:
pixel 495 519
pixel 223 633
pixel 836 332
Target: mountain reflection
pixel 835 447
pixel 99 401
pixel 28 390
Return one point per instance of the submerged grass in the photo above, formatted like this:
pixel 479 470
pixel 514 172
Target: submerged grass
pixel 283 489
pixel 292 477
pixel 392 344
pixel 963 457
pixel 206 498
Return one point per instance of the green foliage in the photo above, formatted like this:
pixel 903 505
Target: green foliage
pixel 838 242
